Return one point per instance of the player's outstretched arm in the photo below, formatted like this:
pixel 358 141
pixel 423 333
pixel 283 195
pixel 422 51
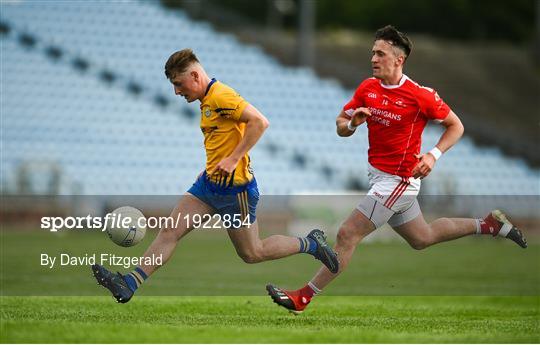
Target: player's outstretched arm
pixel 256 124
pixel 454 131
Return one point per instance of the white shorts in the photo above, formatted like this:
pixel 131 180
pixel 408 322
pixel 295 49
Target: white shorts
pixel 391 199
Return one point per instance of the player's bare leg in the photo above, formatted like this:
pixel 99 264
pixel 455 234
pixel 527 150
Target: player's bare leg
pixel 123 287
pixel 252 249
pixel 165 242
pixel 355 228
pixel 419 234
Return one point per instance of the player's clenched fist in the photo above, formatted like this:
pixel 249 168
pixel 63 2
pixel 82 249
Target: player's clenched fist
pixel 359 116
pixel 424 166
pixel 225 167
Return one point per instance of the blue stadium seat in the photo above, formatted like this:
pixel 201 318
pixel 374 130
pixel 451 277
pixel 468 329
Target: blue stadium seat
pixel 110 140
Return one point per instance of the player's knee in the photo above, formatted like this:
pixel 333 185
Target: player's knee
pixel 250 256
pixel 421 242
pixel 423 238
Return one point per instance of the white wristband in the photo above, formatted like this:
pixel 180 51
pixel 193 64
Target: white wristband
pixel 351 127
pixel 436 152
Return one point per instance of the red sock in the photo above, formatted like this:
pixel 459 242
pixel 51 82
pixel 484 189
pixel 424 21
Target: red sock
pixel 489 226
pixel 306 291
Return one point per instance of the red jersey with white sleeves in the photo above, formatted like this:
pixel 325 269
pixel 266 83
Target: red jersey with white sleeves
pixel 399 114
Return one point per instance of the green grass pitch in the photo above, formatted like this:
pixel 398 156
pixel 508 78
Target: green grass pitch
pixel 468 291
pixel 253 319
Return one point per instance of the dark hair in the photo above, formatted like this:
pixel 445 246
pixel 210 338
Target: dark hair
pixel 394 37
pixel 179 62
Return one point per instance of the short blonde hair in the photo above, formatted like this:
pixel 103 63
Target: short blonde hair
pixel 179 62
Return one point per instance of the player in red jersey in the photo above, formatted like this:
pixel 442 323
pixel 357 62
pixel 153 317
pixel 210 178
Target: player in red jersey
pixel 396 111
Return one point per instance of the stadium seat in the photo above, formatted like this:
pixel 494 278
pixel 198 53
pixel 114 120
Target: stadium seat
pixel 112 136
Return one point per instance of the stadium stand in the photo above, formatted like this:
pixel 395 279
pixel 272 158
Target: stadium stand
pixel 86 108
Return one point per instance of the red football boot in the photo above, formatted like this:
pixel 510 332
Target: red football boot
pixel 294 301
pixel 496 224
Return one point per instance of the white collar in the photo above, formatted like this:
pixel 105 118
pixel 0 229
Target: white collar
pixel 401 82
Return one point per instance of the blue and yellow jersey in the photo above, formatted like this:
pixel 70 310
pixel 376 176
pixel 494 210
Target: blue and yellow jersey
pixel 221 108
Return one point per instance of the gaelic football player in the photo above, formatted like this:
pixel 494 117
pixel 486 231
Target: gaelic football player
pixel 231 127
pixel 396 110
